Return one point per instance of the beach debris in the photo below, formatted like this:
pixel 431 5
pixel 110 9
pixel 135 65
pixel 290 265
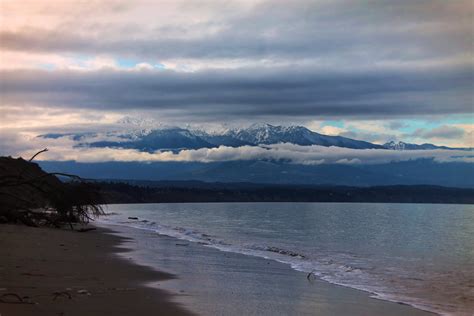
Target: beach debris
pixel 83 230
pixel 60 294
pixel 13 298
pixel 311 276
pixel 32 274
pixel 111 213
pixel 123 288
pixel 133 217
pixel 83 292
pixel 285 252
pixel 348 268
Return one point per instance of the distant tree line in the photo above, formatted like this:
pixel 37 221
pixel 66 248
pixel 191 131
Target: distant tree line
pixel 120 192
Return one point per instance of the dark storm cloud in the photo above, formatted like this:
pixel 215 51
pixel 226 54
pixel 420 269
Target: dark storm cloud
pixel 283 91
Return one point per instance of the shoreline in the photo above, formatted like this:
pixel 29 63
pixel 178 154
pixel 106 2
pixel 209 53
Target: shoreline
pixel 340 295
pixel 68 273
pixel 63 272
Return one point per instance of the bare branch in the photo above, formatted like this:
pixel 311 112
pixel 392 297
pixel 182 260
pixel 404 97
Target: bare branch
pixel 39 152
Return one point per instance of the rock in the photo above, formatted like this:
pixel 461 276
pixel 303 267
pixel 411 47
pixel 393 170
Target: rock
pixel 83 292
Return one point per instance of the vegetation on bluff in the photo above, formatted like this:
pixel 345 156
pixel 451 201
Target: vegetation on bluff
pixel 33 197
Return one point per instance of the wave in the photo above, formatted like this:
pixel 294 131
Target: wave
pixel 332 268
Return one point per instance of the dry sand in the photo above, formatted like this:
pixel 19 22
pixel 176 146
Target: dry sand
pixel 61 272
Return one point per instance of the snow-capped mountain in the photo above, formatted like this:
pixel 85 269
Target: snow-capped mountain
pixel 258 134
pixel 172 138
pixel 407 146
pixel 148 135
pixel 143 136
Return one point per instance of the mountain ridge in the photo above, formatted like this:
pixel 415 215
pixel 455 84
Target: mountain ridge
pixel 408 146
pixel 149 137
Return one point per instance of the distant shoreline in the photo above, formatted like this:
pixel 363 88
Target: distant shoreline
pixel 124 192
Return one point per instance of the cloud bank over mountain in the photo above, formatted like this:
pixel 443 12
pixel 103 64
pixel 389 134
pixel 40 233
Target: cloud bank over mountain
pixel 264 142
pixel 291 153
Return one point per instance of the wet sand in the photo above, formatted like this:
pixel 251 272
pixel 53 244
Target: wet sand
pixel 60 272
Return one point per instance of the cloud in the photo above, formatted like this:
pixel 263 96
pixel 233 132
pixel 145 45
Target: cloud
pixel 407 30
pixel 395 125
pixel 282 152
pixel 369 136
pixel 14 143
pixel 41 119
pixel 247 60
pixel 454 135
pixel 280 91
pixel 63 149
pixel 332 130
pixel 444 131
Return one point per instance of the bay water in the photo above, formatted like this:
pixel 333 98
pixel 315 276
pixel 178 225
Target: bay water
pixel 418 254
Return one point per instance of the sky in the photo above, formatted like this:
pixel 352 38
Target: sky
pixel 370 70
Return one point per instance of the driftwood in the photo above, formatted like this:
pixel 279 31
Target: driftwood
pixel 83 230
pixel 66 294
pixel 17 299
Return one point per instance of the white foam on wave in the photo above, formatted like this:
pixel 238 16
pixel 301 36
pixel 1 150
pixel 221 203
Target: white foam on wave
pixel 329 269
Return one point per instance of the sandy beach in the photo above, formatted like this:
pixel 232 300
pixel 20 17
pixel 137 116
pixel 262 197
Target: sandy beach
pixel 61 272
